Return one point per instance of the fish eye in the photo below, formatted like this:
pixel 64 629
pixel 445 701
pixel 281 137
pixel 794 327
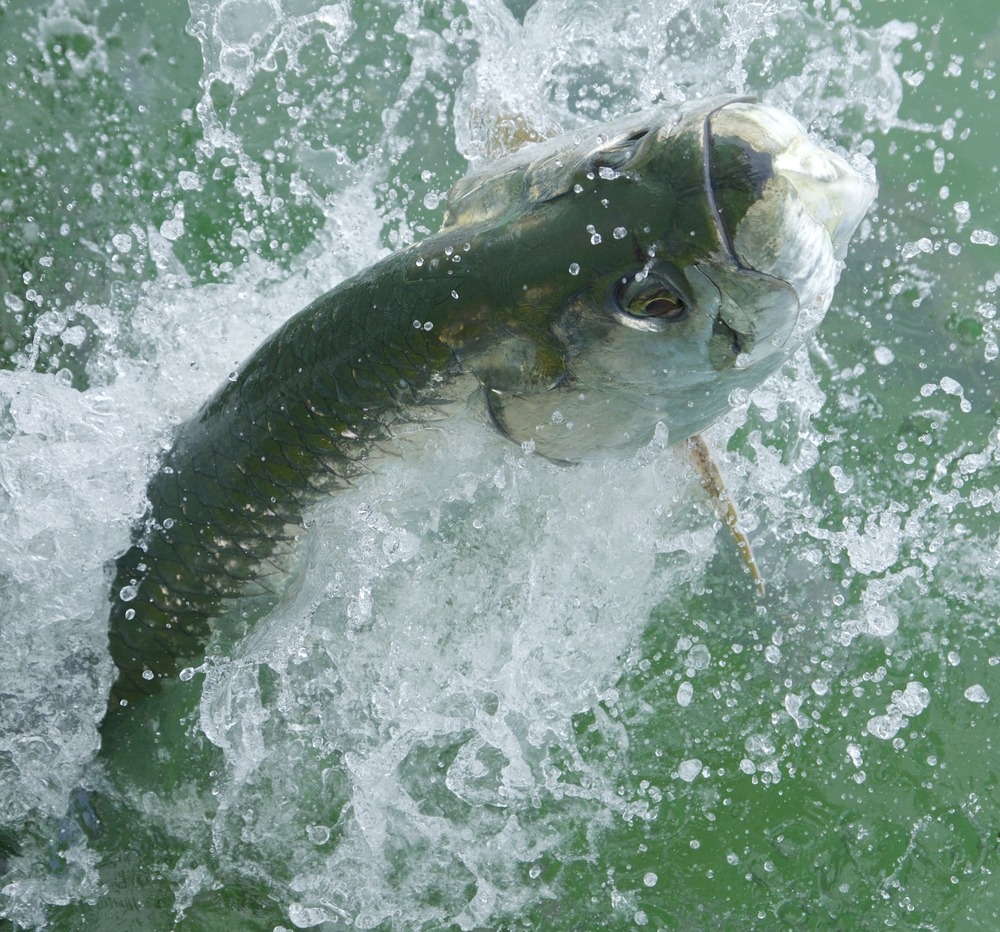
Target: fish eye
pixel 655 302
pixel 665 306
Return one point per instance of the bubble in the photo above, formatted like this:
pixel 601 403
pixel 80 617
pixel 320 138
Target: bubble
pixel 977 694
pixel 318 834
pixel 698 657
pixel 73 336
pixel 885 726
pixel 172 230
pixel 922 245
pixel 913 699
pixel 688 770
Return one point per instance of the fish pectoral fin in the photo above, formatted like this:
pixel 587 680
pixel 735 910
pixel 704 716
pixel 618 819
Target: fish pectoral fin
pixel 520 421
pixel 495 407
pixel 711 482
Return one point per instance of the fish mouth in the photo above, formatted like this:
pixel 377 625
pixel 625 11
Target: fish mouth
pixel 784 209
pixel 764 144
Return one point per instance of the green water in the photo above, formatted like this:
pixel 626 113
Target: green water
pixel 178 180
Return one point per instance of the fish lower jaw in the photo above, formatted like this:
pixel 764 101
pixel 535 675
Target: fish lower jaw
pixel 835 193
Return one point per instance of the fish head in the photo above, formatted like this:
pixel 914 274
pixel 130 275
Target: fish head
pixel 648 268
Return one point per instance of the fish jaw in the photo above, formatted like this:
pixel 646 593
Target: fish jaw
pixel 834 192
pixel 807 203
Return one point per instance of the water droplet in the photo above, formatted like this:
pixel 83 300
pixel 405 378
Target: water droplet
pixel 684 693
pixel 318 834
pixel 977 694
pixel 689 769
pixel 172 229
pixel 574 268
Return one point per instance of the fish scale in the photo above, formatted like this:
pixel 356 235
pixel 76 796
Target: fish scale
pixel 242 471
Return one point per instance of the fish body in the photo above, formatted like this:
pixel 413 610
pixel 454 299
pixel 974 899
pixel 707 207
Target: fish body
pixel 593 286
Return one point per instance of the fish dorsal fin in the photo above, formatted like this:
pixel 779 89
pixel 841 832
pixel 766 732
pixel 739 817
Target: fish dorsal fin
pixel 488 193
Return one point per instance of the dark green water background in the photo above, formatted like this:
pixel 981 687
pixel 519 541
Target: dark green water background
pixel 841 752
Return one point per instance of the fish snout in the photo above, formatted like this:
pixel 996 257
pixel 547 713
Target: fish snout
pixel 753 148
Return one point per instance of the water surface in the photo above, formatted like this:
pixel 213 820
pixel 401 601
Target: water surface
pixel 499 694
